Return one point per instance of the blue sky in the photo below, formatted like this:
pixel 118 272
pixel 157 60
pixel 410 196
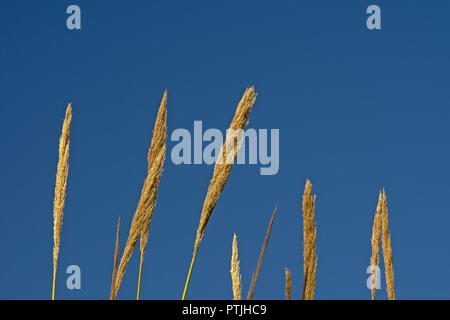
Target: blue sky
pixel 358 110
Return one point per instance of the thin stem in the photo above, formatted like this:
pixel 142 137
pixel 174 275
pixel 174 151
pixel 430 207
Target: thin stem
pixel 140 274
pixel 54 281
pixel 251 290
pixel 305 280
pixel 189 273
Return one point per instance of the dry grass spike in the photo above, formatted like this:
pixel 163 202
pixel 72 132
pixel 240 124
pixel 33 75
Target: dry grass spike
pixel 255 276
pixel 288 284
pixel 222 170
pixel 376 236
pixel 309 243
pixel 235 273
pixel 60 190
pixel 158 145
pixel 144 211
pixel 116 262
pixel 387 250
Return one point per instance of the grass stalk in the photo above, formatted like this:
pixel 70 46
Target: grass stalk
pixel 309 243
pixel 139 277
pixel 387 250
pixel 288 285
pixel 157 144
pixel 144 211
pixel 116 261
pixel 60 190
pixel 236 278
pixel 255 276
pixel 222 170
pixel 376 236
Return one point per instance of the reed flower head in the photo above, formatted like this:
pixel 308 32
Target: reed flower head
pixel 158 146
pixel 288 284
pixel 387 250
pixel 376 236
pixel 235 273
pixel 309 243
pixel 222 170
pixel 60 189
pixel 143 214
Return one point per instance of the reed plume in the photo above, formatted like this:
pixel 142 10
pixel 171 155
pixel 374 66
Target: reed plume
pixel 60 190
pixel 288 284
pixel 376 235
pixel 222 170
pixel 309 243
pixel 158 145
pixel 144 211
pixel 235 273
pixel 387 250
pixel 116 261
pixel 255 276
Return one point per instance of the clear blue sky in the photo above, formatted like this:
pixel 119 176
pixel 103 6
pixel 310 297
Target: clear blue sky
pixel 357 110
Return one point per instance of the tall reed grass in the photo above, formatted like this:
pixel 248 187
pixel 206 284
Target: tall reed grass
pixel 236 278
pixel 309 243
pixel 60 190
pixel 380 230
pixel 387 250
pixel 288 285
pixel 140 224
pixel 144 212
pixel 376 235
pixel 222 170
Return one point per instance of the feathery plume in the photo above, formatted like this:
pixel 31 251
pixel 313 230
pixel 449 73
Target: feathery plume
pixel 60 189
pixel 376 236
pixel 222 170
pixel 309 242
pixel 147 201
pixel 116 261
pixel 158 145
pixel 235 273
pixel 288 284
pixel 387 250
pixel 251 291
